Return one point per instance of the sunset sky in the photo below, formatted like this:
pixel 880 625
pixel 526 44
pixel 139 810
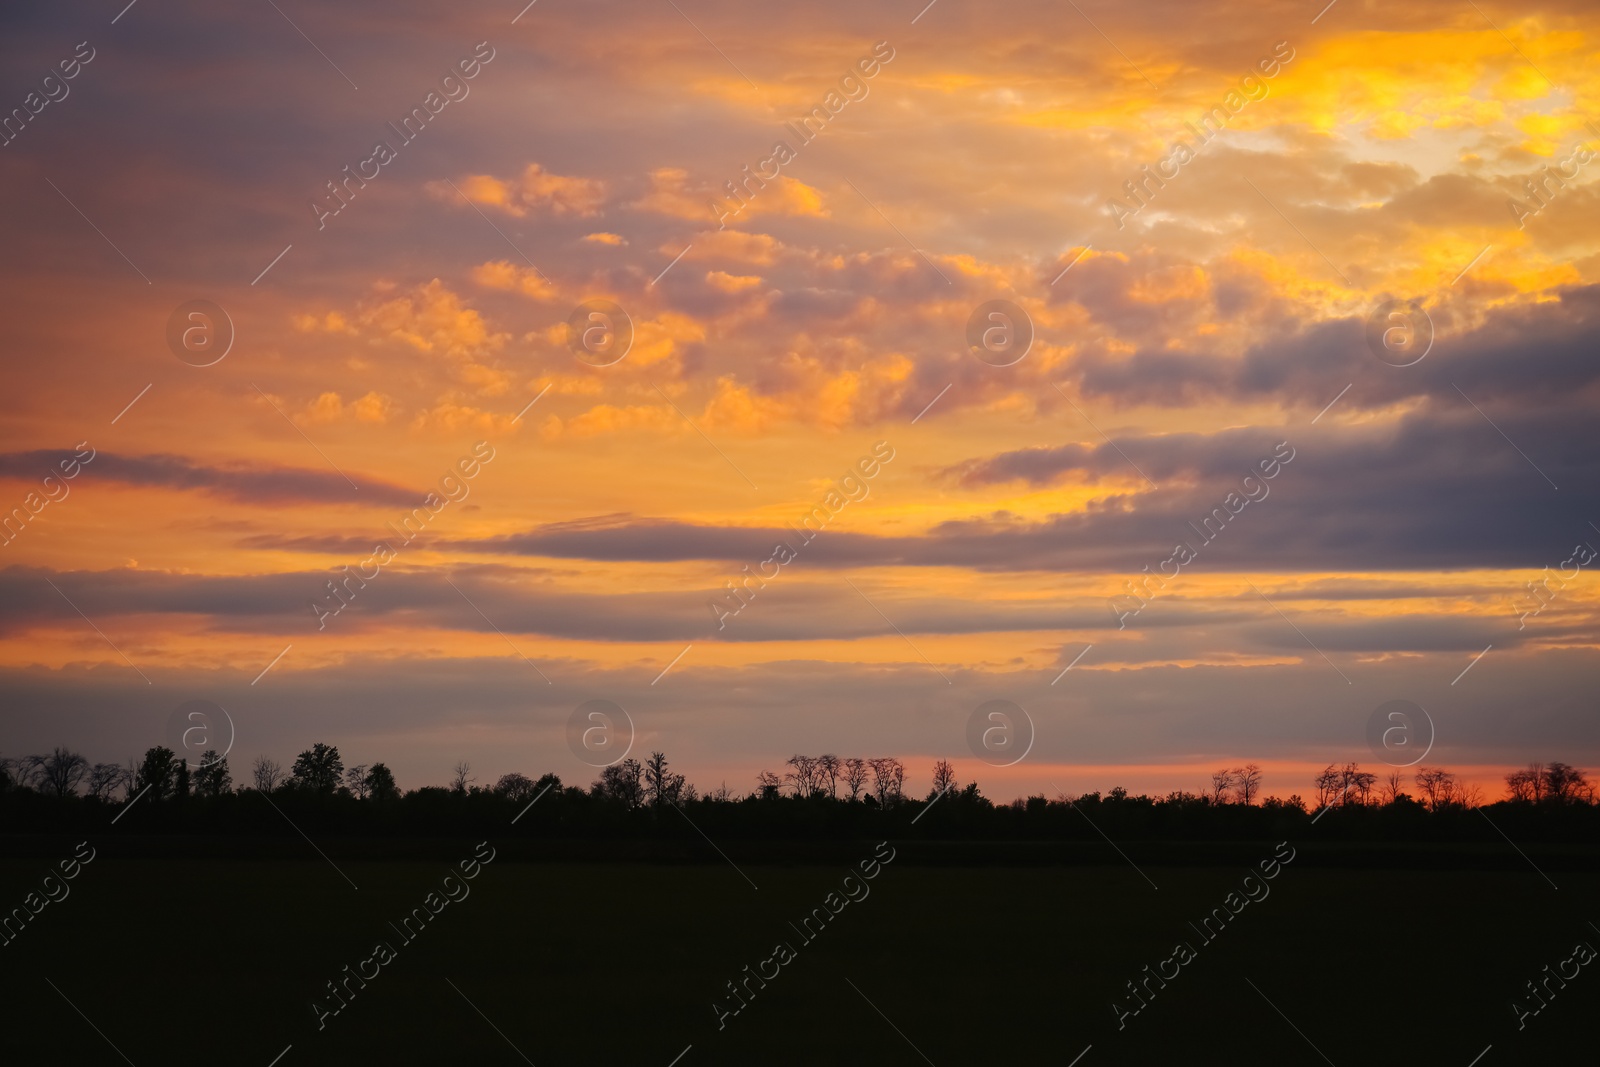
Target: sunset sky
pixel 1178 341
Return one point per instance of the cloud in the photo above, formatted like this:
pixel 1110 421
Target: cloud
pixel 240 482
pixel 794 609
pixel 1533 352
pixel 505 275
pixel 432 318
pixel 1198 336
pixel 1352 499
pixel 535 191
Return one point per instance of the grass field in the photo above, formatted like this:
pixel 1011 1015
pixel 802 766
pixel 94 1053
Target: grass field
pixel 594 963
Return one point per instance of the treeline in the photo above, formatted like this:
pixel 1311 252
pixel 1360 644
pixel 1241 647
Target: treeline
pixel 814 797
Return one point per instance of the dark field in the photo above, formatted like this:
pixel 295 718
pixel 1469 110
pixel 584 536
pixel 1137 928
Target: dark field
pixel 217 960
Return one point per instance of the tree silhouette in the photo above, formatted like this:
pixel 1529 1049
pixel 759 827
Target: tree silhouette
pixel 1558 800
pixel 156 773
pixel 267 773
pixel 60 772
pixel 1562 784
pixel 1527 783
pixel 661 785
pixel 1247 780
pixel 855 776
pixel 621 782
pixel 380 784
pixel 1438 786
pixel 1328 783
pixel 104 778
pixel 1391 787
pixel 828 767
pixel 211 778
pixel 888 778
pixel 515 787
pixel 1352 779
pixel 319 768
pixel 804 776
pixel 463 777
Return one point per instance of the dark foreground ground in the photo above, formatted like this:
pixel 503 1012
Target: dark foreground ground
pixel 189 954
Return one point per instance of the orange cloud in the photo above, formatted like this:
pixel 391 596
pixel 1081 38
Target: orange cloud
pixel 755 248
pixel 374 407
pixel 432 318
pixel 610 419
pixel 325 408
pixel 505 275
pixel 449 416
pixel 731 283
pixel 535 191
pixel 671 193
pixel 660 338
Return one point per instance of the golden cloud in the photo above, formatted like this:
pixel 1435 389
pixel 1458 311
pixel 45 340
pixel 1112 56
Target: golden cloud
pixel 535 191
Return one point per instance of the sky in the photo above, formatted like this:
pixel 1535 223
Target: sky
pixel 1287 269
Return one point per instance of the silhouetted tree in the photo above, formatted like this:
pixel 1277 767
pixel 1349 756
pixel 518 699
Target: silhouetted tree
pixel 212 778
pixel 1247 781
pixel 804 776
pixel 156 773
pixel 463 777
pixel 661 785
pixel 888 778
pixel 1391 787
pixel 1563 784
pixel 855 775
pixel 104 778
pixel 59 773
pixel 944 778
pixel 1352 779
pixel 380 784
pixel 1526 784
pixel 517 788
pixel 769 784
pixel 828 768
pixel 1328 783
pixel 1221 782
pixel 318 767
pixel 621 782
pixel 1438 787
pixel 267 773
